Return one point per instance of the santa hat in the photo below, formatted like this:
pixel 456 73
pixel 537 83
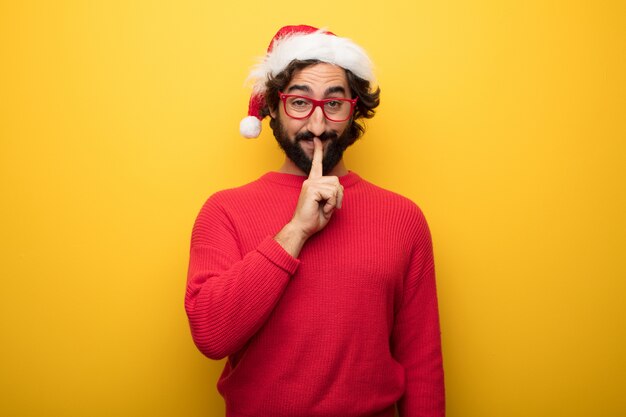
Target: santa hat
pixel 300 43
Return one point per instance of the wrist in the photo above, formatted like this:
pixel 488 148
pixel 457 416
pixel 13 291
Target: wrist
pixel 291 238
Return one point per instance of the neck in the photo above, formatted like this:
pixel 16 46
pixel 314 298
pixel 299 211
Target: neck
pixel 289 167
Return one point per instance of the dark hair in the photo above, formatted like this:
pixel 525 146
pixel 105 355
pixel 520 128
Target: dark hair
pixel 368 100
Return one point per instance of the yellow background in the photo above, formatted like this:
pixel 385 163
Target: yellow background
pixel 504 121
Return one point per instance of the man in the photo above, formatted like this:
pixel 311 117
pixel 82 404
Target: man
pixel 317 285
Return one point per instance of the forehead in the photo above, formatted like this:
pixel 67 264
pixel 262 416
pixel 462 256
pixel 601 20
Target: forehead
pixel 320 76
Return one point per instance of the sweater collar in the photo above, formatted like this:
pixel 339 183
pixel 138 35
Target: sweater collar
pixel 292 180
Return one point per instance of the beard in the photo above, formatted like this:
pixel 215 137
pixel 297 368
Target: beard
pixel 332 154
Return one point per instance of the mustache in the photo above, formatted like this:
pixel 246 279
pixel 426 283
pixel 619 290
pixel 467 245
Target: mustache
pixel 309 136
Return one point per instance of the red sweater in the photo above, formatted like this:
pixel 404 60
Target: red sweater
pixel 348 329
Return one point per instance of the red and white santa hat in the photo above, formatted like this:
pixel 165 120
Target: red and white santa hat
pixel 300 43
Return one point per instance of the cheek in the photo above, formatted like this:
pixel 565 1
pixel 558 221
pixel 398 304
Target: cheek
pixel 340 128
pixel 286 125
pixel 293 127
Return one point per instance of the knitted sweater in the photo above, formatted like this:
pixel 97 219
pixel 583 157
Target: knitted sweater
pixel 350 328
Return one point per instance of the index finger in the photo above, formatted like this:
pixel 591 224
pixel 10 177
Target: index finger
pixel 316 165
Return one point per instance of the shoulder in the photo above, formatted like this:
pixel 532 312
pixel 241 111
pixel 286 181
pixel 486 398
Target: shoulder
pixel 221 202
pixel 234 197
pixel 393 212
pixel 220 209
pixel 391 200
pixel 249 199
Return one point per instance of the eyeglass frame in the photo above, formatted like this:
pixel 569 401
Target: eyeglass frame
pixel 318 103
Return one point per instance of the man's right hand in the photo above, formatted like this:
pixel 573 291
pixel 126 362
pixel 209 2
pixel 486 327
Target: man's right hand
pixel 319 197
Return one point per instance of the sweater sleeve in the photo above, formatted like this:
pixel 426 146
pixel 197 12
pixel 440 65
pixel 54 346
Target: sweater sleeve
pixel 230 295
pixel 416 338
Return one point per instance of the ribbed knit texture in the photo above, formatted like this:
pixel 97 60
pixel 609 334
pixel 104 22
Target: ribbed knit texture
pixel 348 329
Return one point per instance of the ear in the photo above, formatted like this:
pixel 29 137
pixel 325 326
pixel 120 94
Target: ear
pixel 272 113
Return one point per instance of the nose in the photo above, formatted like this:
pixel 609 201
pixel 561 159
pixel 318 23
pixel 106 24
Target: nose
pixel 316 122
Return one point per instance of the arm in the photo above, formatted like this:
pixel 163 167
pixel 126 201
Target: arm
pixel 230 296
pixel 416 338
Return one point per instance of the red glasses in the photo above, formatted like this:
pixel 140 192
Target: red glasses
pixel 301 107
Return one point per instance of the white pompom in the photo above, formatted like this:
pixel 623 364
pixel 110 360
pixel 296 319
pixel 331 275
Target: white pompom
pixel 250 127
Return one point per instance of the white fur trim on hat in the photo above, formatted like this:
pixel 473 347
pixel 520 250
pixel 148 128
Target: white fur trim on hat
pixel 318 45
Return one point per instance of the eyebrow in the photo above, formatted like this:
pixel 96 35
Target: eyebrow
pixel 307 89
pixel 335 89
pixel 304 88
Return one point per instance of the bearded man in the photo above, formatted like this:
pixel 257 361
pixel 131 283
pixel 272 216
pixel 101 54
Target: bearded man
pixel 318 286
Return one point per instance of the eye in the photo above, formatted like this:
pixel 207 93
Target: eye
pixel 333 106
pixel 299 103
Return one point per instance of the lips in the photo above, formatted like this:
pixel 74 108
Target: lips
pixel 307 144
